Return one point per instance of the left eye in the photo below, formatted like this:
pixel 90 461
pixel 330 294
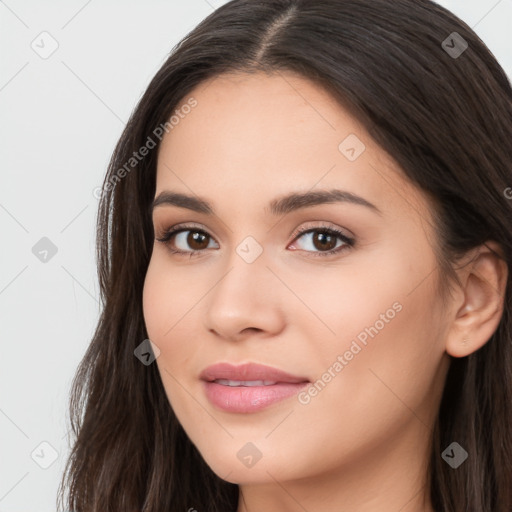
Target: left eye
pixel 325 241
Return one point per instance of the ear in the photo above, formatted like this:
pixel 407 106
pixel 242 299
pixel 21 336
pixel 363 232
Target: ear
pixel 484 281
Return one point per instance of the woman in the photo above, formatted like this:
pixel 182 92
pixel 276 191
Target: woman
pixel 309 216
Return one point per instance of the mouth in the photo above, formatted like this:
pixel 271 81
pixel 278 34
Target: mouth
pixel 249 387
pixel 248 383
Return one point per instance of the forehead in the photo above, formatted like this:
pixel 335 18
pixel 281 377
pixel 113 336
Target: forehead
pixel 263 118
pixel 255 135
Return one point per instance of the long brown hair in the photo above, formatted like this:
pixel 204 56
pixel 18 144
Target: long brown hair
pixel 447 121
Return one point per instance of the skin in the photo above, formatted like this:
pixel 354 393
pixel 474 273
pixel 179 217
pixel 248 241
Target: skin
pixel 362 443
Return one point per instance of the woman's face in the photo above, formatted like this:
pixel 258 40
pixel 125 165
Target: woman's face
pixel 361 322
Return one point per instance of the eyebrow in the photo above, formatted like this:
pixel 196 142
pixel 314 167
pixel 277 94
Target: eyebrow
pixel 279 206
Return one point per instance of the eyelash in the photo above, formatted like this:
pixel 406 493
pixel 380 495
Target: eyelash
pixel 349 242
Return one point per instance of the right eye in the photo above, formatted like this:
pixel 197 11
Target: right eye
pixel 186 240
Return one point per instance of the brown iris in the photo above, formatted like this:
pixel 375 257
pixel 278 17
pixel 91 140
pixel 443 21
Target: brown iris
pixel 324 241
pixel 196 239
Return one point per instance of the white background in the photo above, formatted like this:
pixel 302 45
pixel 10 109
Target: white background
pixel 60 119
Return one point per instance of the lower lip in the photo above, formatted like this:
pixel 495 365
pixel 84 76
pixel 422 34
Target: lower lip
pixel 249 398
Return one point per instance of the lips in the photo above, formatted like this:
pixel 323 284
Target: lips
pixel 249 387
pixel 249 372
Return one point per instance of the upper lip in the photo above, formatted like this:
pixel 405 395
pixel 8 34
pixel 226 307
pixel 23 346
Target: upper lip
pixel 248 372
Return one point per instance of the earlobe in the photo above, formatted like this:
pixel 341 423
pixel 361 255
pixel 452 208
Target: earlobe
pixel 484 279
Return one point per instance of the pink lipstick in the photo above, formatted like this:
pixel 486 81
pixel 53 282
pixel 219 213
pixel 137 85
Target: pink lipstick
pixel 249 387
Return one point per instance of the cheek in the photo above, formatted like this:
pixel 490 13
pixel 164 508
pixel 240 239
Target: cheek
pixel 154 302
pixel 170 297
pixel 388 332
pixel 380 386
pixel 358 301
pixel 167 296
pixel 389 361
pixel 162 306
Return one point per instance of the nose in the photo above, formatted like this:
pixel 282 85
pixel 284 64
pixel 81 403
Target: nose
pixel 245 301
